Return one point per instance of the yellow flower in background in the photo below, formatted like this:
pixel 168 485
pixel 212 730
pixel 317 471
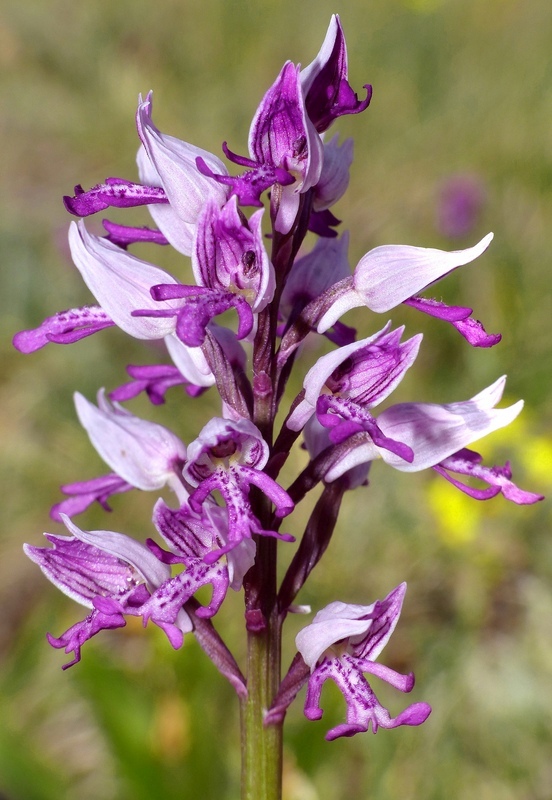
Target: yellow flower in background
pixel 457 516
pixel 536 457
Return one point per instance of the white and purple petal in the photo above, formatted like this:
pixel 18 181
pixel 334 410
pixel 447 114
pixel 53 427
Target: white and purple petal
pixel 121 283
pixel 388 275
pixel 143 453
pixel 174 162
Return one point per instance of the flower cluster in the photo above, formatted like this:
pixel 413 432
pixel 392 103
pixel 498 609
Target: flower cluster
pixel 222 526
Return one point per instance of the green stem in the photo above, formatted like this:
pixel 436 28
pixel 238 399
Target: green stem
pixel 262 745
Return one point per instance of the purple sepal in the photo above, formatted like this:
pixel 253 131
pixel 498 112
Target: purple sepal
pixel 65 327
pixel 143 453
pixel 102 570
pixel 123 235
pixel 368 371
pixel 171 163
pixel 83 493
pixel 120 282
pixel 188 534
pixel 328 94
pixel 114 193
pixel 459 317
pixel 467 462
pixel 277 136
pixel 83 571
pixel 155 380
pixel 323 223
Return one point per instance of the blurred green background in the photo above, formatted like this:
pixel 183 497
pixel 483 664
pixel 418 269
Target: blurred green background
pixel 461 88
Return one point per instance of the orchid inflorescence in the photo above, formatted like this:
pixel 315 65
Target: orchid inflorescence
pixel 224 524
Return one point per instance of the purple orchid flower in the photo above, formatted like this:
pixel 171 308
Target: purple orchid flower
pixel 438 436
pixel 172 187
pixel 232 269
pixel 125 287
pixel 342 643
pixel 109 573
pixel 325 84
pixel 143 455
pixel 394 274
pixel 228 456
pixel 282 135
pixel 285 151
pixel 120 282
pixel 229 254
pixel 358 377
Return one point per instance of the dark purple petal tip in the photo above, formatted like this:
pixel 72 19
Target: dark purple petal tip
pixel 114 193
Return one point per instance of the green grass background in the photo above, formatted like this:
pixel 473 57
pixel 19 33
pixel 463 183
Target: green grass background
pixel 460 87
